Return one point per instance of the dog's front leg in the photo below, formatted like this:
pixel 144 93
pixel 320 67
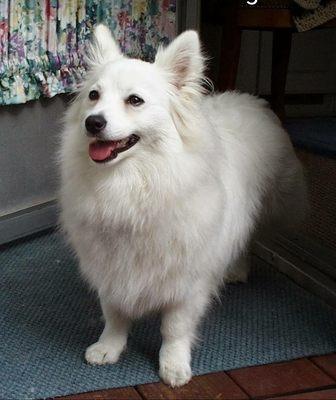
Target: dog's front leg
pixel 178 329
pixel 113 339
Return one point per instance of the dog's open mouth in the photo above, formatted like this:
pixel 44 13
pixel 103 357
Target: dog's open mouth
pixel 102 151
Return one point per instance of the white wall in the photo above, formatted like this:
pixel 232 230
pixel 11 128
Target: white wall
pixel 29 135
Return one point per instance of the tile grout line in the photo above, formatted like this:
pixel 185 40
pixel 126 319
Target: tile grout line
pixel 227 373
pixel 292 393
pixel 276 395
pixel 322 369
pixel 139 393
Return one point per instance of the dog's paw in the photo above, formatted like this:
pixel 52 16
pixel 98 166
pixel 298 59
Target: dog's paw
pixel 175 374
pixel 101 353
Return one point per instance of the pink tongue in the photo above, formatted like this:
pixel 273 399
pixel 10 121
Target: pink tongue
pixel 100 151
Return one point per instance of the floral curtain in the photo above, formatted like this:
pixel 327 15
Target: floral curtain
pixel 42 42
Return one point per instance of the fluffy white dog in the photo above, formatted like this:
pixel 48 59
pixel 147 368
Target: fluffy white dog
pixel 163 189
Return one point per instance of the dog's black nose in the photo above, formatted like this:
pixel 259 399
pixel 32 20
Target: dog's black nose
pixel 94 124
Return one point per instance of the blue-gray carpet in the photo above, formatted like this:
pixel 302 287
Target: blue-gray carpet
pixel 48 318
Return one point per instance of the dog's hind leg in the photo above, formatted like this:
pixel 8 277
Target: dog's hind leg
pixel 113 339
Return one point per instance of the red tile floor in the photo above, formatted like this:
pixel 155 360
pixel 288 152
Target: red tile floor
pixel 306 378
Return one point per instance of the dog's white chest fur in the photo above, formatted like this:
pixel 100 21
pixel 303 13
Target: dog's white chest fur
pixel 142 253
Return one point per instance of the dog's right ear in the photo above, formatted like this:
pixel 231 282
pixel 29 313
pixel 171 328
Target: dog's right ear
pixel 103 47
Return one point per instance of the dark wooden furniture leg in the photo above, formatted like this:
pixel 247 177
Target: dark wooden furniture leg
pixel 282 40
pixel 230 49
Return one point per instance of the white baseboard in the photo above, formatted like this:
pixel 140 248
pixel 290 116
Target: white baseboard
pixel 28 221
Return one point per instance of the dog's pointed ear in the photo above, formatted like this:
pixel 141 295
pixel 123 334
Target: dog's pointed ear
pixel 103 46
pixel 183 60
pixel 105 41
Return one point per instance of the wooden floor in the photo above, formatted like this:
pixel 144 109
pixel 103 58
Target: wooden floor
pixel 306 378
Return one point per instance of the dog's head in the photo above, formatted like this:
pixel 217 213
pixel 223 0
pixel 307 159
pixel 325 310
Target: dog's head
pixel 128 107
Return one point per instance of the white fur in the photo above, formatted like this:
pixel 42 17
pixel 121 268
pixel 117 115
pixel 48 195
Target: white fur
pixel 157 228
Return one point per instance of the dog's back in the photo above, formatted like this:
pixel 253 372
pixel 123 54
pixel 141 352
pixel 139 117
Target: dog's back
pixel 258 160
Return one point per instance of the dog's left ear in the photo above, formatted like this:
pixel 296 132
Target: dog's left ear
pixel 103 47
pixel 183 60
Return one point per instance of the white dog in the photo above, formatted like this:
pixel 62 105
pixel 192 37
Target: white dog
pixel 163 188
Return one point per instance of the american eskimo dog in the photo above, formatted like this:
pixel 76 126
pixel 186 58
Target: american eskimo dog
pixel 163 189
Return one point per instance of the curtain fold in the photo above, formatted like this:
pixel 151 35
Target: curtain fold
pixel 42 42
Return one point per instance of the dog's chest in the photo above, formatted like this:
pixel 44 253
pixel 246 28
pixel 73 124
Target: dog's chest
pixel 134 270
pixel 140 254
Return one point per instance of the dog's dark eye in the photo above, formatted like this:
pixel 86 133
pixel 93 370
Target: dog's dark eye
pixel 94 95
pixel 134 100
